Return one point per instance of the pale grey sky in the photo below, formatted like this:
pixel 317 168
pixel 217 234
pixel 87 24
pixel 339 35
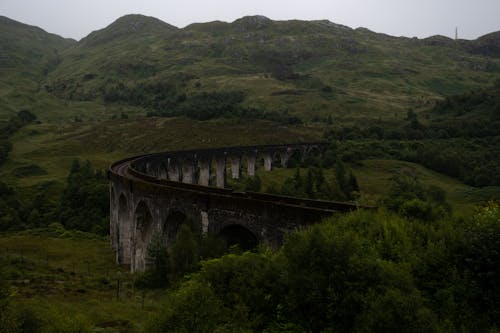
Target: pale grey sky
pixel 421 18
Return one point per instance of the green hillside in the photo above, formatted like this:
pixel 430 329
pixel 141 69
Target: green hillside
pixel 310 68
pixel 27 55
pixel 276 81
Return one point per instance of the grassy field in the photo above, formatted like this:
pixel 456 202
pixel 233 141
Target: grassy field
pixel 74 276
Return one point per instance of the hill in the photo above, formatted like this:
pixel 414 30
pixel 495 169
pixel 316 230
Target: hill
pixel 128 26
pixel 317 79
pixel 311 69
pixel 307 69
pixel 27 54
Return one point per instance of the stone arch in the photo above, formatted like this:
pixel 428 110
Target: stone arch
pixel 312 156
pixel 123 231
pixel 172 224
pixel 296 158
pixel 236 234
pixel 174 171
pixel 276 158
pixel 143 233
pixel 162 171
pixel 265 160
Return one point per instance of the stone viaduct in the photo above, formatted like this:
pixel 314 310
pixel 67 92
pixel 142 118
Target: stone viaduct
pixel 159 192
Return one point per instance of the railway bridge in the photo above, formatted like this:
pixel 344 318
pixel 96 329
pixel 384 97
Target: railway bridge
pixel 159 192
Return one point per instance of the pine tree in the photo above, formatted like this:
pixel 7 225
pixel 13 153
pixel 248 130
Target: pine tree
pixel 309 185
pixel 297 180
pixel 340 176
pixel 353 186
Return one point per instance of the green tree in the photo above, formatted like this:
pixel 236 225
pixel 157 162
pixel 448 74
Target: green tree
pixel 85 201
pixel 479 262
pixel 309 188
pixel 410 198
pixel 157 261
pixel 192 308
pixel 184 251
pixel 252 184
pixel 346 181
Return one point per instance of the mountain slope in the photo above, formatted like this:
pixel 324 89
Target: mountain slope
pixel 127 26
pixel 309 69
pixel 27 53
pixel 488 45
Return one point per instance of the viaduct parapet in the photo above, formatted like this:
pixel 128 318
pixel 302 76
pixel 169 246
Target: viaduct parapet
pixel 159 192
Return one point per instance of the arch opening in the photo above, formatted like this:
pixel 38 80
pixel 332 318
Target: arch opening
pixel 295 159
pixel 240 236
pixel 163 171
pixel 123 231
pixel 143 234
pixel 276 158
pixel 172 224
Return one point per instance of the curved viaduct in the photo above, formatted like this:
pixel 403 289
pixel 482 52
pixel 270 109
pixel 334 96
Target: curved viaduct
pixel 158 192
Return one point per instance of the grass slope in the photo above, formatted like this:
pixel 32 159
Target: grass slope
pixel 310 68
pixel 72 275
pixel 281 65
pixel 28 54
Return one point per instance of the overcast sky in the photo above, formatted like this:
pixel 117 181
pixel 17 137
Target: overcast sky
pixel 421 18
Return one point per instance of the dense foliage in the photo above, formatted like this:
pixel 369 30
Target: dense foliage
pixel 411 199
pixel 85 202
pixel 363 272
pixel 169 100
pixel 460 137
pixel 83 205
pixel 475 162
pixel 12 212
pixel 9 128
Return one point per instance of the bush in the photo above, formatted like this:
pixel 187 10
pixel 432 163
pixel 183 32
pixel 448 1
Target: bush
pixel 411 199
pixel 184 252
pixel 192 308
pixel 157 263
pixel 29 170
pixel 85 202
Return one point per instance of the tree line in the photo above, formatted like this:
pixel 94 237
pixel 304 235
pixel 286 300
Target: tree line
pixel 9 128
pixel 164 99
pixel 84 204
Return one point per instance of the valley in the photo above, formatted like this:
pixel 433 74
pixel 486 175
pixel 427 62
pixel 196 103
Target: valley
pixel 412 126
